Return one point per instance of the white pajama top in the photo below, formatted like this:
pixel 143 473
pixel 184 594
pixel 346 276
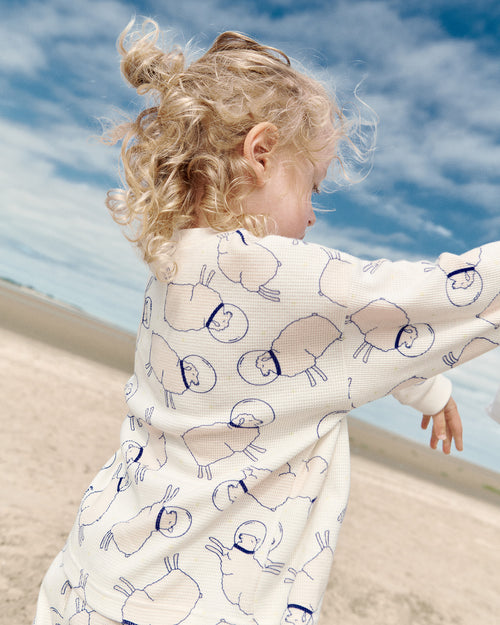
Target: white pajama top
pixel 224 502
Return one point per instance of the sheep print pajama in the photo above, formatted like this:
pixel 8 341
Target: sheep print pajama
pixel 224 502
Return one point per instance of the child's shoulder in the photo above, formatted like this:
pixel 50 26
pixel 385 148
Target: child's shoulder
pixel 243 256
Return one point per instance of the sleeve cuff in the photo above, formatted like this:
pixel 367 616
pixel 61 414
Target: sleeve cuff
pixel 428 397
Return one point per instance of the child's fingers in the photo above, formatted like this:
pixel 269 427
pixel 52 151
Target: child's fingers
pixel 447 443
pixel 426 419
pixel 459 443
pixel 446 427
pixel 455 429
pixel 454 424
pixel 439 426
pixel 434 441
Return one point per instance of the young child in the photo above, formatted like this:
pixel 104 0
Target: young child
pixel 224 502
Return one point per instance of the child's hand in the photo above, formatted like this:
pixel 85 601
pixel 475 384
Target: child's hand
pixel 446 426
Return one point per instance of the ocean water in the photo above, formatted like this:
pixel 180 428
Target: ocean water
pixel 99 272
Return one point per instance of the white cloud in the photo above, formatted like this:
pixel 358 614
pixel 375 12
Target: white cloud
pixel 359 241
pixel 56 234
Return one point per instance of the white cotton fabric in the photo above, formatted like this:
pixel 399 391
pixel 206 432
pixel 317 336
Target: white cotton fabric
pixel 224 502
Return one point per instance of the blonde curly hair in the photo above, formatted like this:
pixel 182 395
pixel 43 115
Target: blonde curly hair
pixel 182 157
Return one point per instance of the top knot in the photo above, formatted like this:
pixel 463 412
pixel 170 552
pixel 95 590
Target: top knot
pixel 144 65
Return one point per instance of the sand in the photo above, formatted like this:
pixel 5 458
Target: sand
pixel 421 539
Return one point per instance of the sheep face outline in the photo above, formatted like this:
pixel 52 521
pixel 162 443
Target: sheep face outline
pixel 221 320
pixel 251 413
pixel 200 374
pixel 251 533
pixel 228 325
pixel 464 283
pixel 174 522
pixel 419 340
pixel 297 616
pixel 167 521
pixel 406 337
pixel 265 364
pixel 464 287
pixel 255 369
pixel 226 493
pixel 191 374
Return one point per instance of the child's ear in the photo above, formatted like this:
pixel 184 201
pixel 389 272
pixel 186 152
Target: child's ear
pixel 258 147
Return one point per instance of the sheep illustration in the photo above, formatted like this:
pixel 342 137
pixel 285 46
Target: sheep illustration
pixel 474 348
pixel 95 503
pixel 272 489
pixel 175 375
pixel 305 594
pixel 245 261
pixel 386 326
pixel 210 443
pixel 491 313
pixel 239 565
pixel 167 601
pixel 294 351
pixel 463 282
pixel 151 456
pixel 158 518
pixel 198 306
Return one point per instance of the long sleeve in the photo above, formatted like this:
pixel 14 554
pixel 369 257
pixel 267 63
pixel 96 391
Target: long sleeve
pixel 407 322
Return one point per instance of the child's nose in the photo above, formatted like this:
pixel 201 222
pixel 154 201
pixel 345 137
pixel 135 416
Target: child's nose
pixel 312 219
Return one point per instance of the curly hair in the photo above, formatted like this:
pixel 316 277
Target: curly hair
pixel 182 158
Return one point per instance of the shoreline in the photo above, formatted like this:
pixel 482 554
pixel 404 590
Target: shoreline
pixel 35 315
pixel 40 317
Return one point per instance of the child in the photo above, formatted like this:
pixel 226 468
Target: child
pixel 224 502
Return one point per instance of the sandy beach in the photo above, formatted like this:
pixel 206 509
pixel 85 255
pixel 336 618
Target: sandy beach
pixel 421 539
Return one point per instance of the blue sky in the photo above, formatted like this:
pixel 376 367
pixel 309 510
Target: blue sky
pixel 429 69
